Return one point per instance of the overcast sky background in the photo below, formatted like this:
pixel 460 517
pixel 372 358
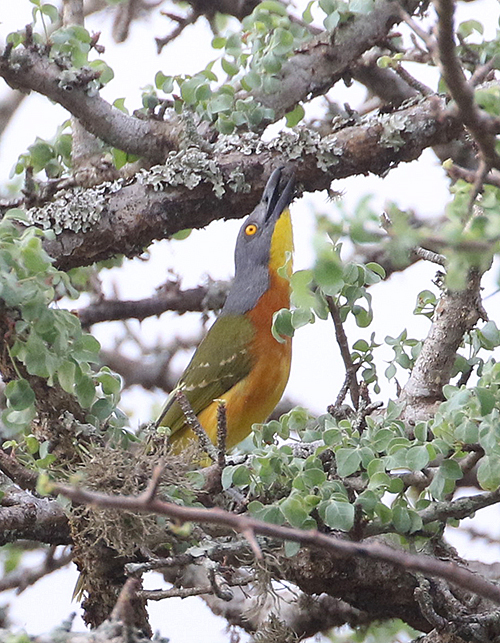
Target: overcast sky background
pixel 317 371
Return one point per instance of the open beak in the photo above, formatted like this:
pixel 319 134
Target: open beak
pixel 274 198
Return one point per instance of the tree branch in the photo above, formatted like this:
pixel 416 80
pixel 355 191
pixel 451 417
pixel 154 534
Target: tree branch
pixel 29 69
pixel 310 72
pixel 195 188
pixel 456 313
pixel 326 59
pixel 477 121
pixel 21 579
pixel 312 538
pixel 23 516
pixel 199 299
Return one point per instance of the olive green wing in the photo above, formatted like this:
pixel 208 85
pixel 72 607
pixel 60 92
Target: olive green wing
pixel 221 360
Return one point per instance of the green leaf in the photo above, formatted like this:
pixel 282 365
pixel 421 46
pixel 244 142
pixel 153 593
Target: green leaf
pixel 218 42
pixel 251 80
pixel 85 391
pixel 331 21
pixel 302 317
pixel 273 6
pixel 66 375
pixel 291 548
pixel 224 124
pixel 271 63
pixel 221 103
pixel 488 473
pixel 110 383
pixel 294 511
pixel 105 72
pixel 361 6
pixel 295 115
pixel 417 458
pixel 241 476
pixel 339 515
pixel 486 399
pixel 328 274
pixel 168 84
pixel 282 325
pixel 384 513
pixel 450 470
pixel 348 461
pixel 230 68
pixel 401 519
pixel 468 27
pixel 32 444
pixel 50 11
pixel 269 513
pixel 307 14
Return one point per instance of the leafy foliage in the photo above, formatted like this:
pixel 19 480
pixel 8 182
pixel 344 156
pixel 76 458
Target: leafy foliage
pixel 44 341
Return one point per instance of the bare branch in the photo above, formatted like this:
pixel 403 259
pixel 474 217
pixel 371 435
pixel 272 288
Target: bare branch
pixel 25 517
pixel 182 23
pixel 171 297
pixel 196 427
pixel 23 577
pixel 456 172
pixel 312 538
pixel 477 122
pixel 456 313
pixel 350 368
pixel 27 69
pixel 221 433
pixel 12 468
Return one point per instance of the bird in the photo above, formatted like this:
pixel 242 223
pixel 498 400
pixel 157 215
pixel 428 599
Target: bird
pixel 239 360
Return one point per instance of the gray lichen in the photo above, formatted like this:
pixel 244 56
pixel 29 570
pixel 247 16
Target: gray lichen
pixel 392 126
pixel 77 209
pixel 187 167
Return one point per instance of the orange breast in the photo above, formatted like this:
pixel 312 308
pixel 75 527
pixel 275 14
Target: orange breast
pixel 254 398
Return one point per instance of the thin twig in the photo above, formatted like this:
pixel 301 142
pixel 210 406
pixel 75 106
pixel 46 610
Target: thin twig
pixel 412 81
pixel 221 433
pixel 20 579
pixel 249 534
pixel 184 592
pixel 477 121
pixel 182 23
pixel 425 37
pixel 122 611
pixel 350 368
pixel 152 488
pixel 196 427
pixel 456 172
pixel 481 174
pixel 428 255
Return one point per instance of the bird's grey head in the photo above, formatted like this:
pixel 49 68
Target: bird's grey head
pixel 253 244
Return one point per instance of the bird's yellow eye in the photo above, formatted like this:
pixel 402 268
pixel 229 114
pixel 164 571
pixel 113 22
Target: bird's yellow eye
pixel 251 229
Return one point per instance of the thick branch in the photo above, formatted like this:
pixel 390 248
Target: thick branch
pixel 456 313
pixel 23 516
pixel 312 71
pixel 124 217
pixel 328 58
pixel 199 299
pixel 312 538
pixel 28 69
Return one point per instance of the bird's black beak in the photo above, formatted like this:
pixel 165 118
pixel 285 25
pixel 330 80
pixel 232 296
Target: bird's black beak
pixel 276 197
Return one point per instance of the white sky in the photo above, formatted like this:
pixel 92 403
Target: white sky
pixel 317 373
